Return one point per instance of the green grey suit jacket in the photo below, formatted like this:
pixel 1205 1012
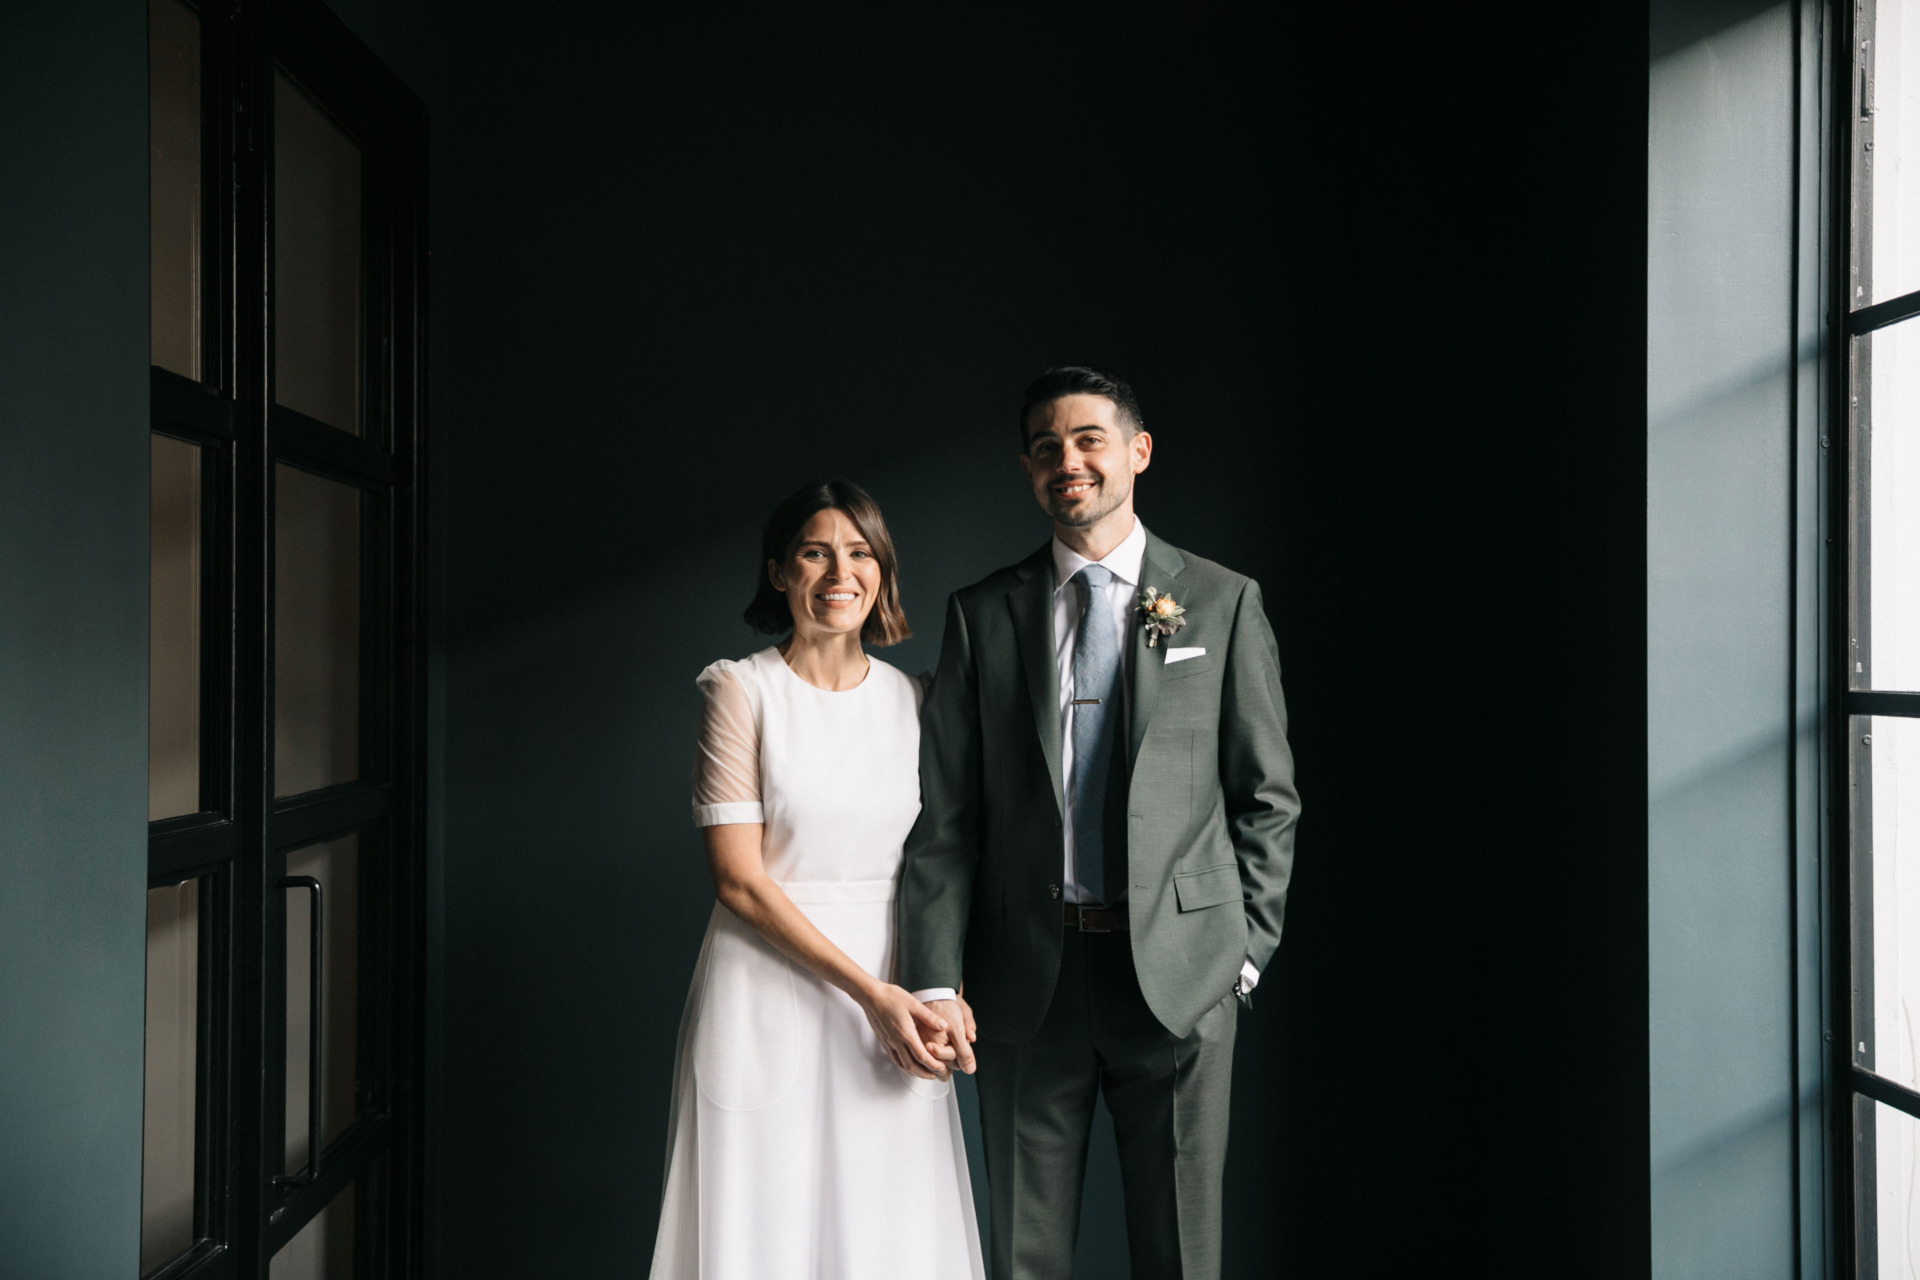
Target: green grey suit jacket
pixel 1211 806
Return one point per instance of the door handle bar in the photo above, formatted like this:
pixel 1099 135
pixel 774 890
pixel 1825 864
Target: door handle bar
pixel 307 1173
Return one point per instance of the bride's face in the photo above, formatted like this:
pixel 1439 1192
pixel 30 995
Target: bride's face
pixel 830 578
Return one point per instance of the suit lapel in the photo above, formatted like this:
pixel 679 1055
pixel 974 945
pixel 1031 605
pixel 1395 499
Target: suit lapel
pixel 1160 570
pixel 1031 601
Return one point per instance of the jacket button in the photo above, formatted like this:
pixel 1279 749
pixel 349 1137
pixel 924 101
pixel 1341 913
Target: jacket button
pixel 1053 891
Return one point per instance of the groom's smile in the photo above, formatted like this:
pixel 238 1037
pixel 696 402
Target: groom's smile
pixel 1081 458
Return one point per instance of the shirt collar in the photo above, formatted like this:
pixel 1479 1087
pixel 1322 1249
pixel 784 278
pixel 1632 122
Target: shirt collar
pixel 1124 561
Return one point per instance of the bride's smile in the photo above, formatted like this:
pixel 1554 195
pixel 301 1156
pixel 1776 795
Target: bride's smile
pixel 831 578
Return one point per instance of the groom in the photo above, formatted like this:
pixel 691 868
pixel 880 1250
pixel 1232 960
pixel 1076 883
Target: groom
pixel 1103 848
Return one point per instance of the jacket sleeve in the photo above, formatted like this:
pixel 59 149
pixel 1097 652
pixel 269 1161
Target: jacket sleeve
pixel 936 877
pixel 1256 774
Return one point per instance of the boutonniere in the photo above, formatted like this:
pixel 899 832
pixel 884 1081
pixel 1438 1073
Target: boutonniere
pixel 1159 615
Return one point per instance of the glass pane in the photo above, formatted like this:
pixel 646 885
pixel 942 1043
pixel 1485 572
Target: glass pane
pixel 324 1248
pixel 316 638
pixel 173 636
pixel 1889 1218
pixel 336 865
pixel 173 142
pixel 173 1029
pixel 316 262
pixel 1894 163
pixel 1890 414
pixel 1887 756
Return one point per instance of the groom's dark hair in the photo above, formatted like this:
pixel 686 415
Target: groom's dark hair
pixel 1078 380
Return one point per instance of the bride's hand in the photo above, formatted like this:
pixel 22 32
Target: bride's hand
pixel 914 1036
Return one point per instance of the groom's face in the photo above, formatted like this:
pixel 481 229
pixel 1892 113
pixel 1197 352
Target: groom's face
pixel 1080 459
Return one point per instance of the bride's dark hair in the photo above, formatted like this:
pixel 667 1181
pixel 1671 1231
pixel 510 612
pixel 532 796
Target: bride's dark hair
pixel 886 623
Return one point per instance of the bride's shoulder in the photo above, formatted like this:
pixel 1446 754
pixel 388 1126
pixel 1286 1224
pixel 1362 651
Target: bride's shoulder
pixel 898 680
pixel 746 672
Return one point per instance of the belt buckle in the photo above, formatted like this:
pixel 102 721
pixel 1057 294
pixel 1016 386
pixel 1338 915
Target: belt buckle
pixel 1080 914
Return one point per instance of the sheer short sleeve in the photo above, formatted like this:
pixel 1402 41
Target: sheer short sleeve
pixel 726 767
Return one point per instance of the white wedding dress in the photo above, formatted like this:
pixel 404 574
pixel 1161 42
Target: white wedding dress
pixel 796 1149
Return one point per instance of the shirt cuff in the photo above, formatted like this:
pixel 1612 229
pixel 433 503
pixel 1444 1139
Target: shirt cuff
pixel 1249 976
pixel 935 993
pixel 714 815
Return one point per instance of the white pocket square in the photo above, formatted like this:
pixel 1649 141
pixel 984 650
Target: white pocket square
pixel 1181 655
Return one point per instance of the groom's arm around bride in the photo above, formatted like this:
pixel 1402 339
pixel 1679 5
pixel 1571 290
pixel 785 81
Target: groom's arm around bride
pixel 1104 845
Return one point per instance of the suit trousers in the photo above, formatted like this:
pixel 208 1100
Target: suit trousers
pixel 1169 1099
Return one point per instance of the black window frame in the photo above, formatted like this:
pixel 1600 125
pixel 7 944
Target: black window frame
pixel 1850 694
pixel 237 842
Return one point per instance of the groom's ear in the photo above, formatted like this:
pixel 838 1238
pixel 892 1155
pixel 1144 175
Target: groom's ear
pixel 1141 446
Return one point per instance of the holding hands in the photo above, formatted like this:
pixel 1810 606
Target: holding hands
pixel 956 1013
pixel 927 1041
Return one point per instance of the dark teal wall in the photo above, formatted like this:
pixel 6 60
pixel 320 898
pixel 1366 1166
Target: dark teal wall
pixel 1733 543
pixel 1380 281
pixel 73 634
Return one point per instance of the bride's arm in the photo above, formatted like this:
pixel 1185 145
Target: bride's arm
pixel 903 1025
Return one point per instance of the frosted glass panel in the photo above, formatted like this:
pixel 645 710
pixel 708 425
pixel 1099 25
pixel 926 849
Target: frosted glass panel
pixel 336 865
pixel 1894 162
pixel 324 1248
pixel 173 174
pixel 173 1028
pixel 1887 1154
pixel 1893 545
pixel 316 645
pixel 173 635
pixel 1888 751
pixel 316 262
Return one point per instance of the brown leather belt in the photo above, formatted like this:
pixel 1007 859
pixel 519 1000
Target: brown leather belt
pixel 1097 919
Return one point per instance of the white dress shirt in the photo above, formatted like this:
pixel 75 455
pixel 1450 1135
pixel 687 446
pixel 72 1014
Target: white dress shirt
pixel 1125 562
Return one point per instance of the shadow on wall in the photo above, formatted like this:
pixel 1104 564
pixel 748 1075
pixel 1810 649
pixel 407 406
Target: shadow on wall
pixel 1673 27
pixel 1721 431
pixel 695 261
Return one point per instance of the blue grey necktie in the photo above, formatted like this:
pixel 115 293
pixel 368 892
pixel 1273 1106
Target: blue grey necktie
pixel 1096 720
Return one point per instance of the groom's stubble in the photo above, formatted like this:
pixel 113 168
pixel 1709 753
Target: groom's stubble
pixel 1081 461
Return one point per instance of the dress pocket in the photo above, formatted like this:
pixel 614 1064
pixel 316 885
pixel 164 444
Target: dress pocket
pixel 748 1023
pixel 929 1088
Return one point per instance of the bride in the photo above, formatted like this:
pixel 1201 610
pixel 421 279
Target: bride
pixel 814 1131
